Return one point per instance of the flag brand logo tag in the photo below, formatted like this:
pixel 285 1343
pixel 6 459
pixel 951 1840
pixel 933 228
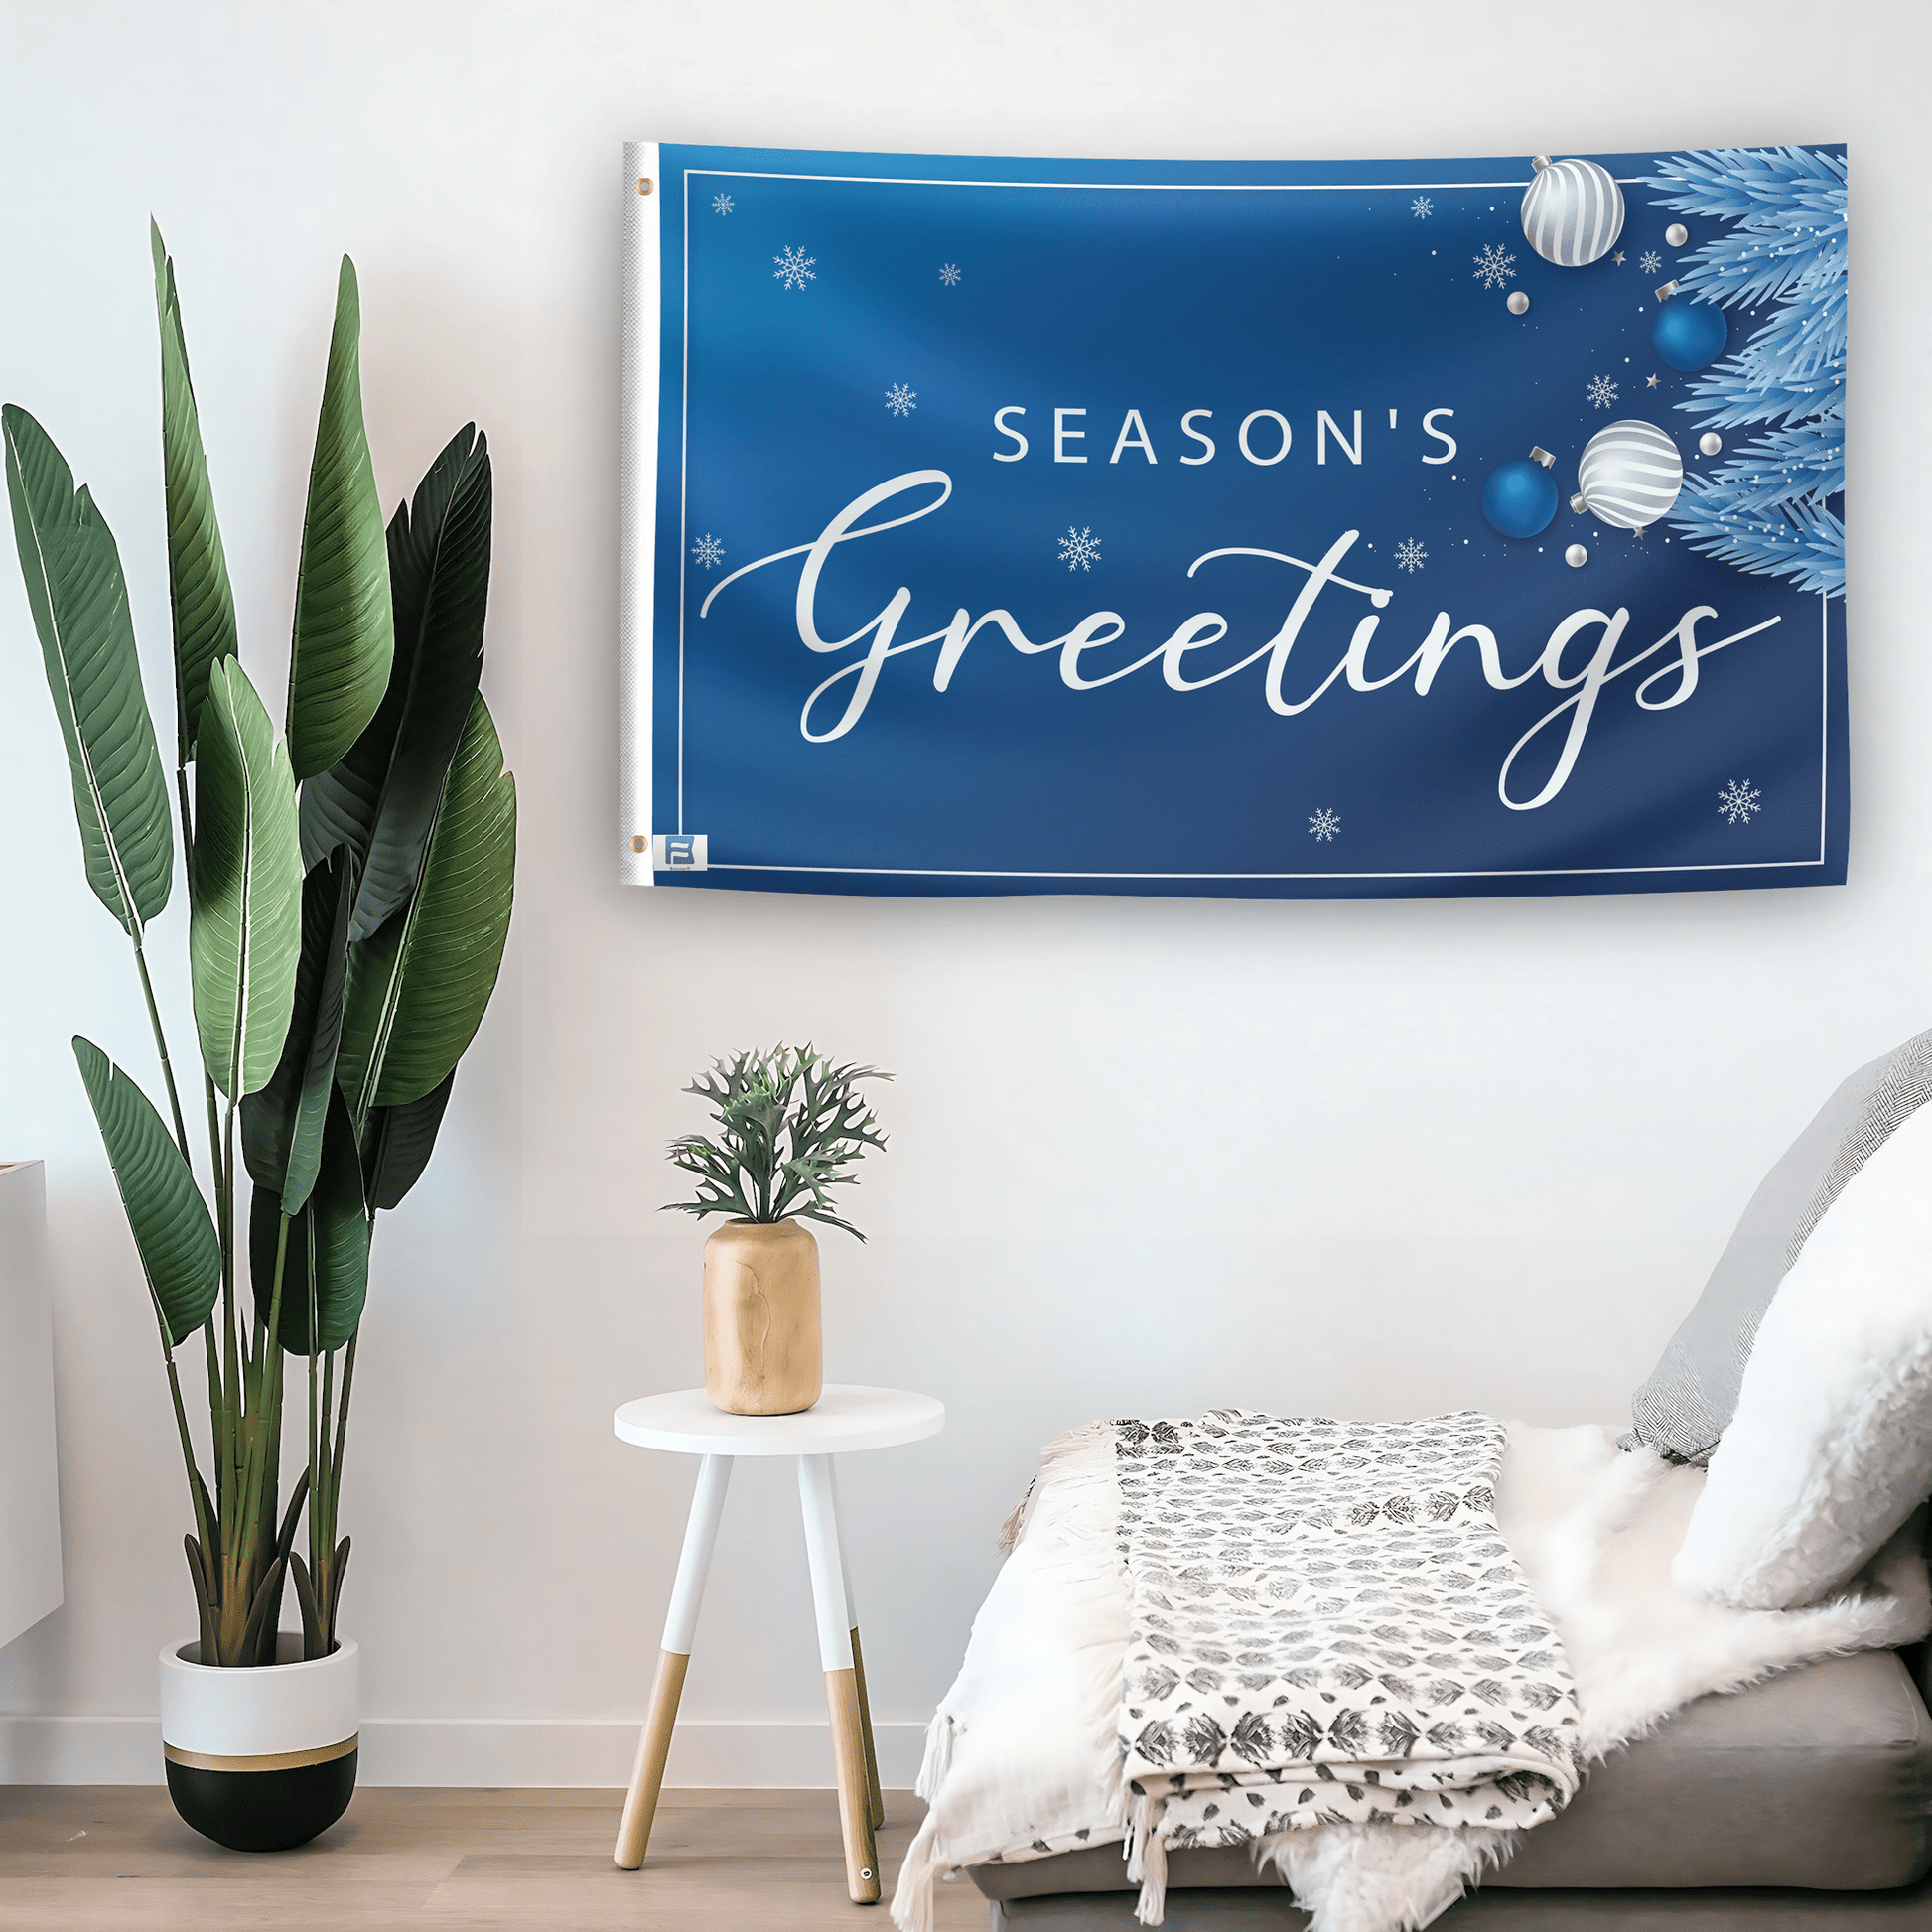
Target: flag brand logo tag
pixel 678 852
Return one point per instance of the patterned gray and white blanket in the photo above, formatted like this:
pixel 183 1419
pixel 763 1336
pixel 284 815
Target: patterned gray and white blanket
pixel 1327 1627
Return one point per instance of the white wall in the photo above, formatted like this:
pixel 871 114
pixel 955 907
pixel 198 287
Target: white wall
pixel 1370 1158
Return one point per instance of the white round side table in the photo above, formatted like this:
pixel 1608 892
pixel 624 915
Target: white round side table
pixel 844 1419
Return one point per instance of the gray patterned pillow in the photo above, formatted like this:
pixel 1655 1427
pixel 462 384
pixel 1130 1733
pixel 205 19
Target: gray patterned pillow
pixel 1692 1394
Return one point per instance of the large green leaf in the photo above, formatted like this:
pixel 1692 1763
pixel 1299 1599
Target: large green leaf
pixel 328 1253
pixel 345 634
pixel 397 1144
pixel 244 934
pixel 380 797
pixel 180 1254
pixel 197 569
pixel 417 991
pixel 79 599
pixel 281 1126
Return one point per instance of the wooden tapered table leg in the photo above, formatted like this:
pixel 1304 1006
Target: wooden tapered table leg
pixel 835 1654
pixel 875 1796
pixel 653 1747
pixel 855 1807
pixel 680 1627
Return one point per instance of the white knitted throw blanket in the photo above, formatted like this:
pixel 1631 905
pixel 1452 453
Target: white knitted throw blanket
pixel 1325 1627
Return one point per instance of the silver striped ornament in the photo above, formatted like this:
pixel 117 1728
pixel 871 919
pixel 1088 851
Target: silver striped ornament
pixel 1572 213
pixel 1629 475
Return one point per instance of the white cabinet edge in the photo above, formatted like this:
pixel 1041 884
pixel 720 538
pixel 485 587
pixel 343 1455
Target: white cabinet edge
pixel 30 1498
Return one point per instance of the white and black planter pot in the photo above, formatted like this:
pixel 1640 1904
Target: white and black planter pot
pixel 260 1760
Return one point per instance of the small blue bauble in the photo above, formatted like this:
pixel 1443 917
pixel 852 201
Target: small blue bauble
pixel 1689 335
pixel 1520 499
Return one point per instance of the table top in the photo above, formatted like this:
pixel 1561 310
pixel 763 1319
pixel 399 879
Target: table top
pixel 846 1416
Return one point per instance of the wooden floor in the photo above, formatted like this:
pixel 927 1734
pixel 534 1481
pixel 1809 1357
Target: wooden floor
pixel 82 1858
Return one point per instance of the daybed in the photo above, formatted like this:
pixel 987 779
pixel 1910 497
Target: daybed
pixel 1677 1657
pixel 1801 1805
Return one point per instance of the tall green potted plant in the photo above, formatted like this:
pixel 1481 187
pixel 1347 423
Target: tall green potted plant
pixel 350 889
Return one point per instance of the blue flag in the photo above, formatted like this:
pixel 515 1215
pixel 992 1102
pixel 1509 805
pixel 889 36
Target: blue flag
pixel 1257 529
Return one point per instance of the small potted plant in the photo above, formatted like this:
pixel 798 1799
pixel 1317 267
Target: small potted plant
pixel 348 896
pixel 790 1127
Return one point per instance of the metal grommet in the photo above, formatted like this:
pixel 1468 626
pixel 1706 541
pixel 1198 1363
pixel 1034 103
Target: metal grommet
pixel 866 1872
pixel 639 843
pixel 643 184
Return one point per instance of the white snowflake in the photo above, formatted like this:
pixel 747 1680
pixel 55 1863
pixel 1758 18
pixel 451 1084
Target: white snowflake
pixel 1422 208
pixel 1494 267
pixel 1650 261
pixel 720 204
pixel 1078 550
pixel 1601 391
pixel 1737 801
pixel 949 274
pixel 898 399
pixel 794 269
pixel 708 551
pixel 1323 825
pixel 1410 555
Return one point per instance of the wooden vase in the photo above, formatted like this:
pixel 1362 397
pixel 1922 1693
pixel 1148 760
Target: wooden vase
pixel 763 1345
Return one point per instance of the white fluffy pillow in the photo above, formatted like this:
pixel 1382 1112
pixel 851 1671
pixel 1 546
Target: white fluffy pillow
pixel 1831 1447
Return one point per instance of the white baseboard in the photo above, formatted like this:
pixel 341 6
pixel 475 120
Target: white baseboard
pixel 480 1751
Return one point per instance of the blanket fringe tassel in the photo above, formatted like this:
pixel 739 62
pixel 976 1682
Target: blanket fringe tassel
pixel 1088 1441
pixel 937 1761
pixel 1147 1858
pixel 913 1897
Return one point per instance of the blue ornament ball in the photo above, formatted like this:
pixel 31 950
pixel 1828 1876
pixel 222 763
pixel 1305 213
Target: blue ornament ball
pixel 1689 335
pixel 1520 499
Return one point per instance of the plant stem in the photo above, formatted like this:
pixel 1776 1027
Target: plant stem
pixel 230 1348
pixel 220 1414
pixel 208 1534
pixel 230 1340
pixel 203 1530
pixel 341 1414
pixel 217 1416
pixel 322 1506
pixel 235 1415
pixel 214 1151
pixel 161 1047
pixel 267 1518
pixel 335 1489
pixel 314 1439
pixel 265 1412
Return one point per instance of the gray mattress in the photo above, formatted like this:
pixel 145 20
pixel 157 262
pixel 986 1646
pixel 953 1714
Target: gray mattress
pixel 1816 1781
pixel 1489 1910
